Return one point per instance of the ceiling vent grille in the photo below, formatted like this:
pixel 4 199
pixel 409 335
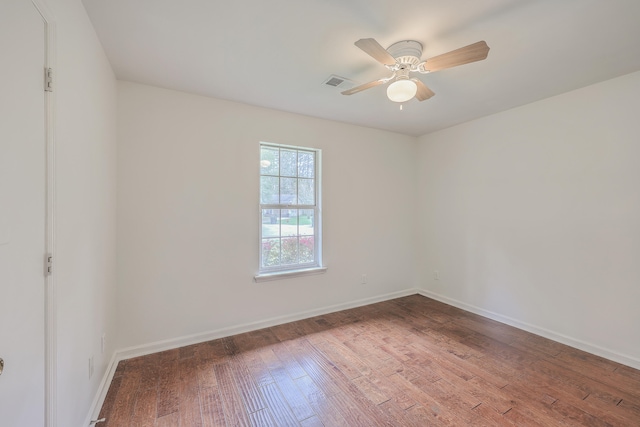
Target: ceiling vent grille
pixel 334 81
pixel 338 82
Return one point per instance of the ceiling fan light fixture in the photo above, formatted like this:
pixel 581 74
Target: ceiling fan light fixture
pixel 402 90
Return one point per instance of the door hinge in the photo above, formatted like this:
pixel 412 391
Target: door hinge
pixel 48 264
pixel 48 80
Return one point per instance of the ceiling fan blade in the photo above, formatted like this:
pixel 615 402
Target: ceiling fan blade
pixel 377 52
pixel 366 86
pixel 424 92
pixel 472 53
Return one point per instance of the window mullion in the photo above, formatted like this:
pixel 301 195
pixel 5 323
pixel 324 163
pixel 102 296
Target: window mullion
pixel 277 206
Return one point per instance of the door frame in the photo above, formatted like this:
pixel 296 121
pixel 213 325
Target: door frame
pixel 50 302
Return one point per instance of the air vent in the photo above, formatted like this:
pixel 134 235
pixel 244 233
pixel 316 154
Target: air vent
pixel 338 82
pixel 334 81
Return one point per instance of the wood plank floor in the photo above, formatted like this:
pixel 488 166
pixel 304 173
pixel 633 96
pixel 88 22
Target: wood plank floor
pixel 410 361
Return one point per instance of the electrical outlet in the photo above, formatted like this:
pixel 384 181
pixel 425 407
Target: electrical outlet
pixel 103 342
pixel 90 367
pixel 436 275
pixel 363 279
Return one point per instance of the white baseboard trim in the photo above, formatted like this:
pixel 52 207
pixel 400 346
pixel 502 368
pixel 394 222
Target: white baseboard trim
pixel 141 350
pixel 546 333
pixel 154 347
pixel 101 393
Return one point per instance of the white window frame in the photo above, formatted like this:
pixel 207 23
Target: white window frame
pixel 294 270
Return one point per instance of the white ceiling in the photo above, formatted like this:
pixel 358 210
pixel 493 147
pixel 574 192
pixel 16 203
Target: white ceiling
pixel 278 53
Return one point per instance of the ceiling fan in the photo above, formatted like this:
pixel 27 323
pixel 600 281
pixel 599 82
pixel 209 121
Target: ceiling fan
pixel 403 58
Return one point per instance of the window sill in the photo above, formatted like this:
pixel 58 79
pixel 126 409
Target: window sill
pixel 277 275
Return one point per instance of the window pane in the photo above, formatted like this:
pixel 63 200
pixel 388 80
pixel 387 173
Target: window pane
pixel 307 249
pixel 290 250
pixel 288 162
pixel 270 223
pixel 305 222
pixel 270 252
pixel 269 161
pixel 306 164
pixel 306 191
pixel 269 189
pixel 289 222
pixel 288 191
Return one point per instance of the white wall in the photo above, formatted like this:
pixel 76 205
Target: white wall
pixel 188 214
pixel 85 262
pixel 534 214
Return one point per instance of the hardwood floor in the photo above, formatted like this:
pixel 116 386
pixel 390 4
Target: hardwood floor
pixel 411 361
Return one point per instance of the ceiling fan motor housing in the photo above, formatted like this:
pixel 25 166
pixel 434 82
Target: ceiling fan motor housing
pixel 406 52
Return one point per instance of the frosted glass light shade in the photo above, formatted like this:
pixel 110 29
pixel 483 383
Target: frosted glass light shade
pixel 402 90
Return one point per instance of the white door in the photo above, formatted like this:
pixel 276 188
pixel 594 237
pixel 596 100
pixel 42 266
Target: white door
pixel 22 214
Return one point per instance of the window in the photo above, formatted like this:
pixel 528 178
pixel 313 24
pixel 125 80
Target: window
pixel 290 223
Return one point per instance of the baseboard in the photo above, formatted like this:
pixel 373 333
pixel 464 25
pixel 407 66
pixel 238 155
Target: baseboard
pixel 555 336
pixel 141 350
pixel 154 347
pixel 101 393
